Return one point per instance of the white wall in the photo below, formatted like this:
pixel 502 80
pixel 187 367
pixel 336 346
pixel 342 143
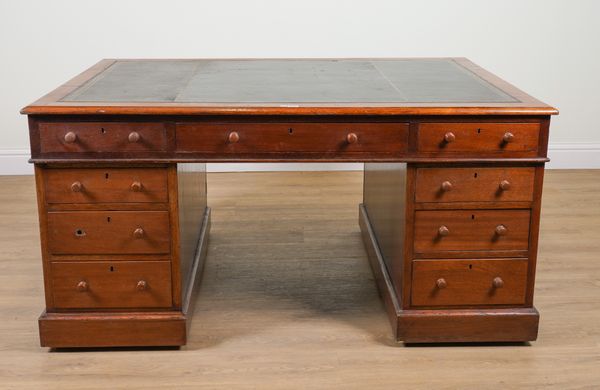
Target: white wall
pixel 551 49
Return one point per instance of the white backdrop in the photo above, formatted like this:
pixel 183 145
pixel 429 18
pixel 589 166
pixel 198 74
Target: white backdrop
pixel 551 49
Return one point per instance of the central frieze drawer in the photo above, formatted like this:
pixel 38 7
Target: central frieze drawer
pixel 230 138
pixel 106 185
pixel 469 282
pixel 108 232
pixel 474 184
pixel 471 230
pixel 118 284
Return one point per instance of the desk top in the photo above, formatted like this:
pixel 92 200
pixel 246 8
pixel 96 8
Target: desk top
pixel 428 86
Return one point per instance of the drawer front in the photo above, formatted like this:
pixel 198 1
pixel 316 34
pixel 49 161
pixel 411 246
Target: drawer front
pixel 474 184
pixel 469 282
pixel 474 139
pixel 249 138
pixel 108 232
pixel 99 185
pixel 107 137
pixel 105 284
pixel 471 230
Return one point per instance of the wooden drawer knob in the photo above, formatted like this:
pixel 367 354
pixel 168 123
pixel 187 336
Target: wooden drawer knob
pixel 508 137
pixel 134 137
pixel 82 286
pixel 446 186
pixel 449 137
pixel 505 185
pixel 352 138
pixel 136 186
pixel 138 233
pixel 501 230
pixel 497 282
pixel 234 137
pixel 70 137
pixel 141 285
pixel 441 283
pixel 76 186
pixel 443 231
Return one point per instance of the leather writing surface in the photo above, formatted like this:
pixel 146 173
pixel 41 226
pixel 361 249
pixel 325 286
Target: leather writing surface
pixel 289 81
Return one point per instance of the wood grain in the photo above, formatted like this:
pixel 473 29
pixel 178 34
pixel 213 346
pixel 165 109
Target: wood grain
pixel 471 230
pixel 108 232
pixel 468 282
pixel 298 307
pixel 257 138
pixel 475 184
pixel 106 185
pixel 480 139
pixel 111 284
pixel 109 137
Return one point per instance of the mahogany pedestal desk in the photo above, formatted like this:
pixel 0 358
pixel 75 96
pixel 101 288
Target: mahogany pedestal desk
pixel 454 162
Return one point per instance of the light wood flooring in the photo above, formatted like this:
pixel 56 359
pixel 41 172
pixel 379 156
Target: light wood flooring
pixel 288 300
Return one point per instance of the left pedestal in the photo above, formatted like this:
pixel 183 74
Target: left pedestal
pixel 123 249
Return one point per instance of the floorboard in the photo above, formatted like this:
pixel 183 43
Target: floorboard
pixel 288 300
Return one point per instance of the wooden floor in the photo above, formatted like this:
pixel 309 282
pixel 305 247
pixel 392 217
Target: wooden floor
pixel 288 300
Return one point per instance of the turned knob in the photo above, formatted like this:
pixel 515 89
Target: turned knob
pixel 233 137
pixel 351 138
pixel 136 186
pixel 508 137
pixel 70 137
pixel 76 186
pixel 497 282
pixel 446 186
pixel 82 286
pixel 141 285
pixel 504 185
pixel 449 137
pixel 441 283
pixel 501 230
pixel 138 233
pixel 134 136
pixel 443 231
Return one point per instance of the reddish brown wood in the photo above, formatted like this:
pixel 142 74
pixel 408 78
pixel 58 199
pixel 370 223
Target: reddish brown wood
pixel 482 139
pixel 98 185
pixel 469 282
pixel 474 184
pixel 480 324
pixel 108 232
pixel 471 230
pixel 432 166
pixel 273 138
pixel 352 138
pixel 111 285
pixel 135 329
pixel 108 137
